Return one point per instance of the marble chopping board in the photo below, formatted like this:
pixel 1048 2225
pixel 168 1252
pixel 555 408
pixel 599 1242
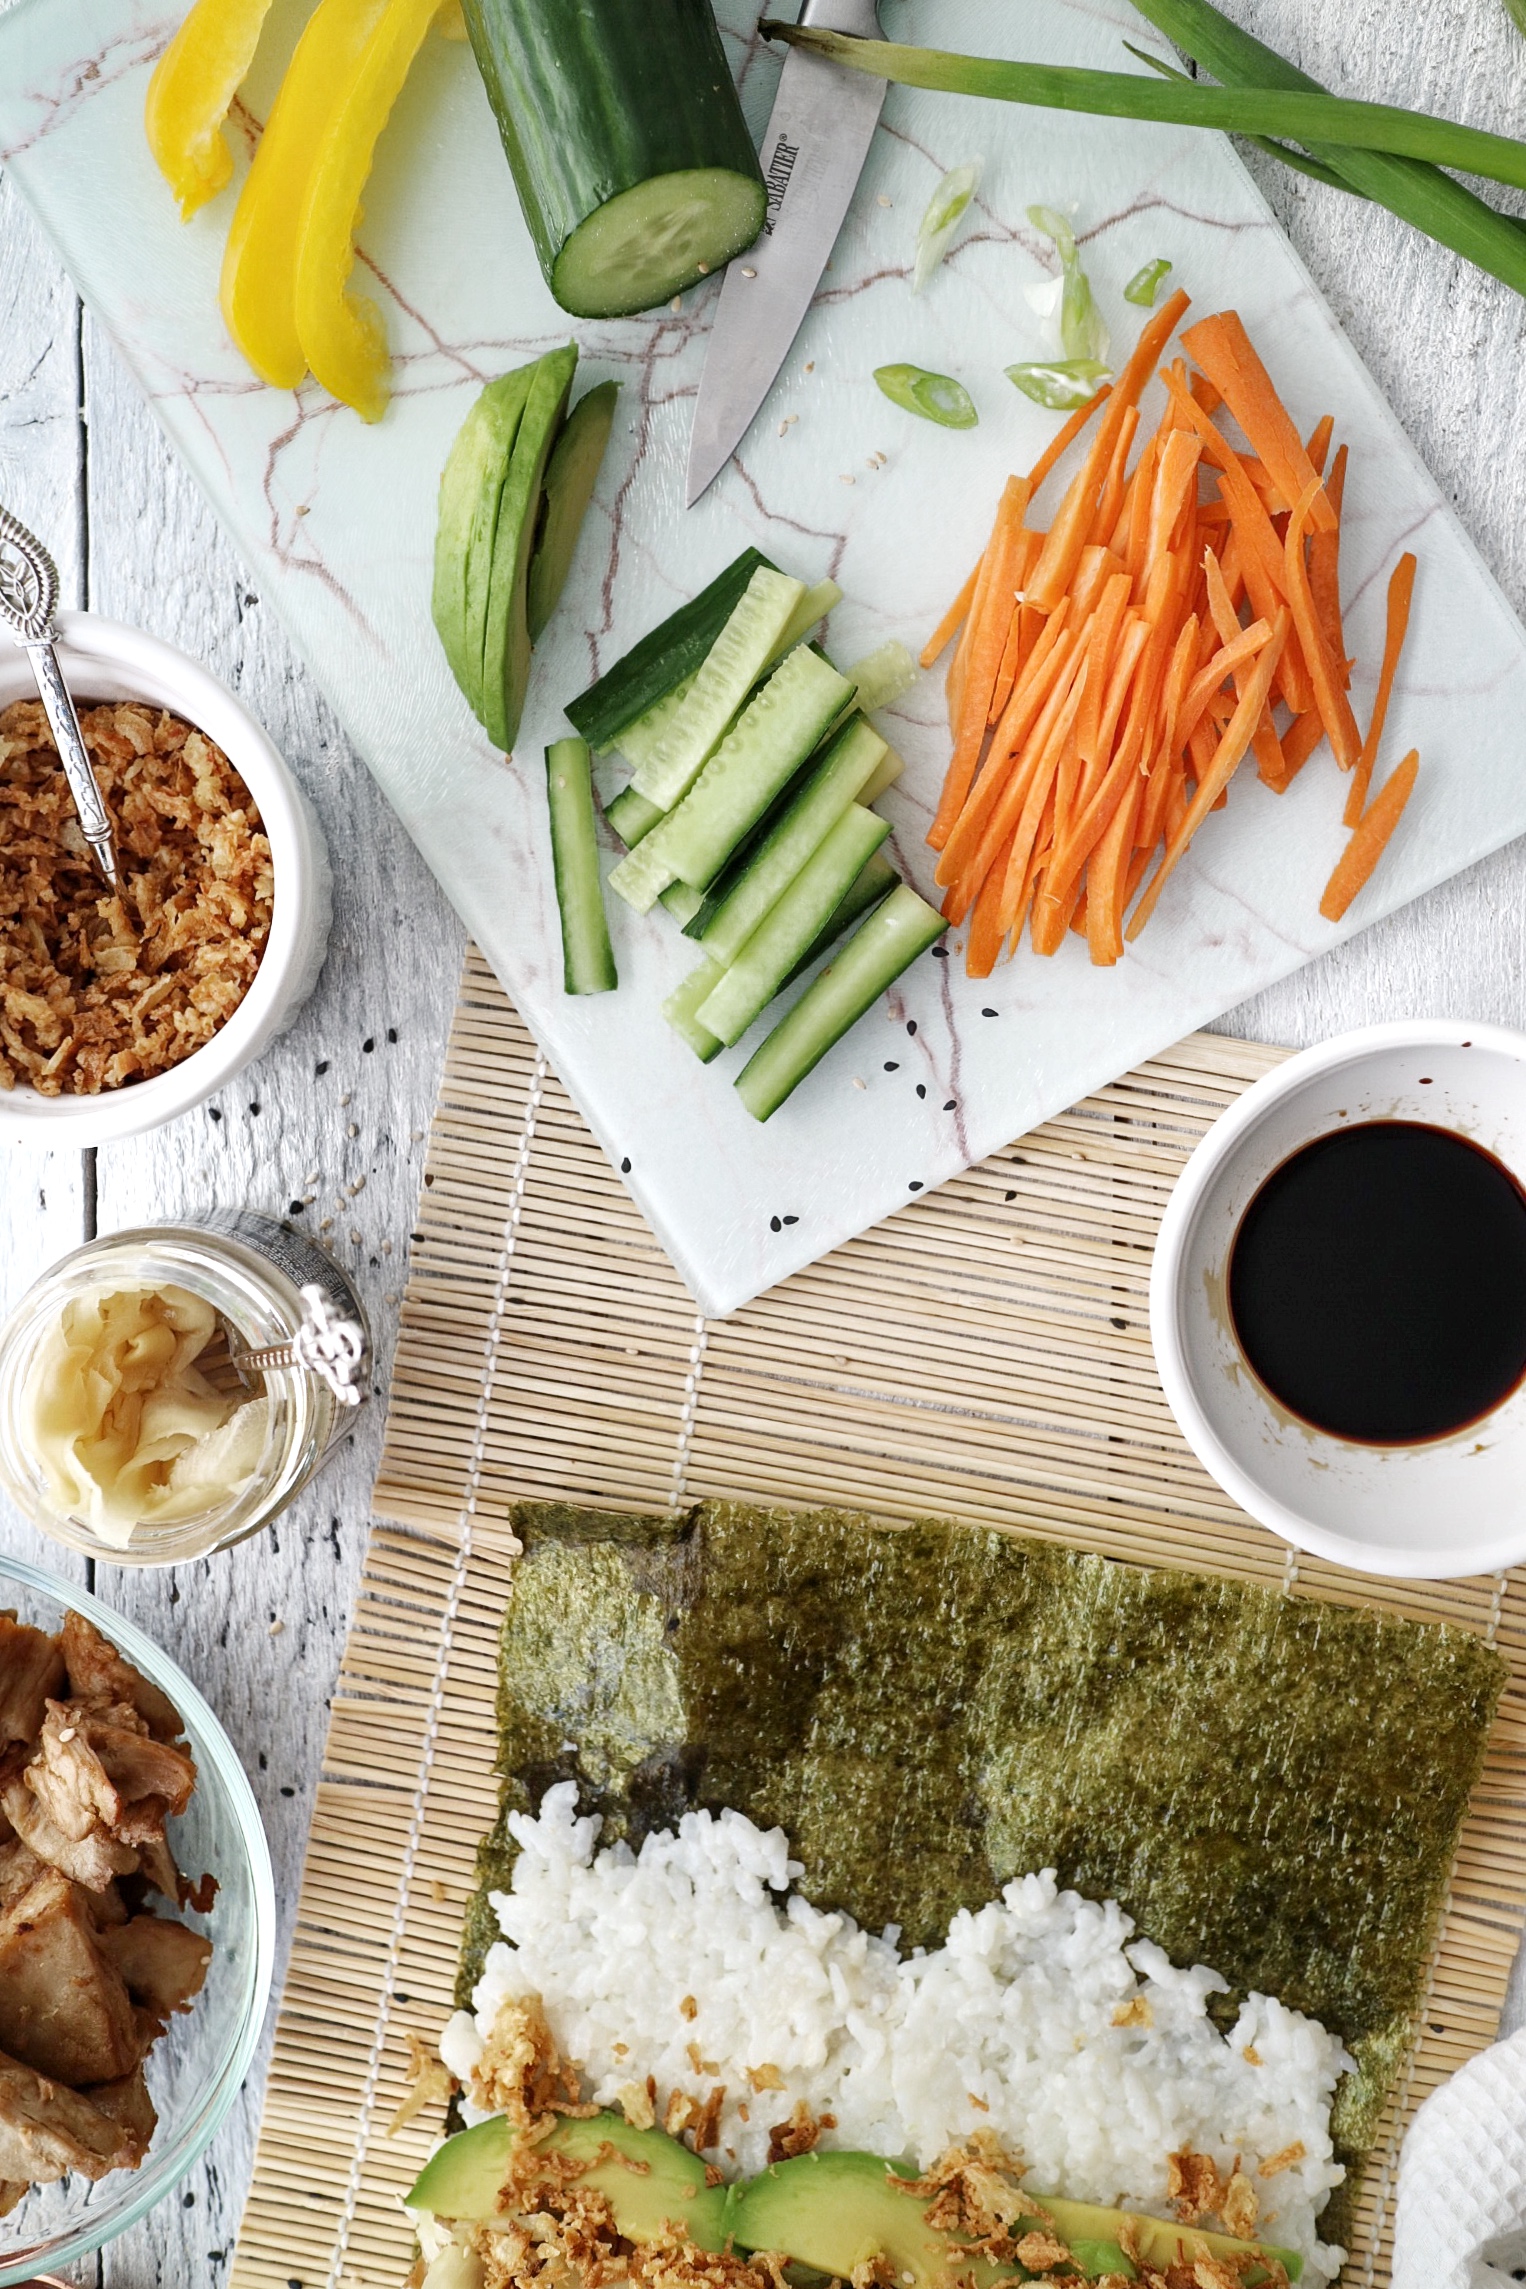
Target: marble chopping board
pixel 336 521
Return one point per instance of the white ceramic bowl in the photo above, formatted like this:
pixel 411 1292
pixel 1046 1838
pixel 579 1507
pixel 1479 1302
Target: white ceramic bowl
pixel 1453 1506
pixel 104 661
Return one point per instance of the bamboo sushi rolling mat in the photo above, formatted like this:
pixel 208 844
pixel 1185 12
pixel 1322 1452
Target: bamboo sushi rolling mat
pixel 984 1355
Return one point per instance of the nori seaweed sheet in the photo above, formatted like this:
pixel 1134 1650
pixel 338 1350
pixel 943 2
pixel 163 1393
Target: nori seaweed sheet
pixel 1270 1785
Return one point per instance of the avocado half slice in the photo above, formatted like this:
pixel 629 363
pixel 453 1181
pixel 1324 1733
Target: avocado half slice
pixel 650 2180
pixel 571 474
pixel 471 489
pixel 835 2212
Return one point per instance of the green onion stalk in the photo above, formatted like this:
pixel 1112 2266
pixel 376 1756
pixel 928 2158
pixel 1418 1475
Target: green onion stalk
pixel 1378 150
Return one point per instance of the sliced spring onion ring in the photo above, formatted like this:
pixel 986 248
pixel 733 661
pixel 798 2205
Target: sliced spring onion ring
pixel 1082 332
pixel 945 212
pixel 936 397
pixel 1146 282
pixel 1062 384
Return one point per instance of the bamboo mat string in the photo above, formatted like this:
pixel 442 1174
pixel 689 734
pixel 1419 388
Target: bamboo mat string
pixel 983 1355
pixel 368 2097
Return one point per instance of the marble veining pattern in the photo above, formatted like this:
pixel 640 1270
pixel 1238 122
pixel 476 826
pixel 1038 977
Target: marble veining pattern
pixel 337 521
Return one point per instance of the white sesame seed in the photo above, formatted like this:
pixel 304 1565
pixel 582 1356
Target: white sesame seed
pixel 676 304
pixel 746 273
pixel 858 1084
pixel 275 1629
pixel 884 202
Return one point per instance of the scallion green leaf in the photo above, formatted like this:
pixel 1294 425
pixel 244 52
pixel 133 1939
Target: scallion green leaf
pixel 1082 333
pixel 945 212
pixel 1062 385
pixel 936 397
pixel 1146 282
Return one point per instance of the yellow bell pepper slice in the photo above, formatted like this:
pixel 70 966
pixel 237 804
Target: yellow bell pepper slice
pixel 259 263
pixel 192 91
pixel 342 333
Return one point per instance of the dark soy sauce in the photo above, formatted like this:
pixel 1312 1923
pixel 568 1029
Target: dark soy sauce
pixel 1377 1283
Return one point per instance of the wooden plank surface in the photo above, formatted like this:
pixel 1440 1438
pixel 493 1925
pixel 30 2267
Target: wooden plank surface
pixel 81 460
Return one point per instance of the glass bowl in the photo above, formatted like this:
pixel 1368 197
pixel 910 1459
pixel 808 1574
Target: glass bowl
pixel 195 2070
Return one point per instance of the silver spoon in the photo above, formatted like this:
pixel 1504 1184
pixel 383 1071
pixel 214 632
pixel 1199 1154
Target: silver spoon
pixel 28 599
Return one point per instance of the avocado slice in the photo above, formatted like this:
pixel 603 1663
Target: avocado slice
pixel 571 474
pixel 471 486
pixel 650 2181
pixel 506 630
pixel 837 2211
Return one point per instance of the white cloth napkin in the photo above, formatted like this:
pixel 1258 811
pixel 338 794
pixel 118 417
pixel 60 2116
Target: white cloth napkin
pixel 1460 2222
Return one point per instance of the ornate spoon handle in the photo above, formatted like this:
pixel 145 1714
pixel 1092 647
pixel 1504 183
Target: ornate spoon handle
pixel 59 708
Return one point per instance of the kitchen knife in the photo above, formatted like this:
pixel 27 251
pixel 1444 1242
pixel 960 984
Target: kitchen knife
pixel 818 138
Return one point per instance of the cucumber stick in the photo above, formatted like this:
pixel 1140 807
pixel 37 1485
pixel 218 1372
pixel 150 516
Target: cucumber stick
pixel 881 778
pixel 814 605
pixel 680 1006
pixel 733 664
pixel 854 755
pixel 792 924
pixel 771 738
pixel 631 816
pixel 682 902
pixel 876 881
pixel 874 957
pixel 671 651
pixel 639 740
pixel 883 676
pixel 632 160
pixel 588 964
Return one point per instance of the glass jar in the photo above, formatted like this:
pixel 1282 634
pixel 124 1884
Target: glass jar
pixel 266 1283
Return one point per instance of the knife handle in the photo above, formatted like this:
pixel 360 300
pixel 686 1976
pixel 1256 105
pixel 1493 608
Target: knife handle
pixel 859 17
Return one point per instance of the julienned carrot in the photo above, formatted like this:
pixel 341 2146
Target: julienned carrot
pixel 1401 588
pixel 1368 842
pixel 1105 688
pixel 1064 437
pixel 1329 693
pixel 1221 346
pixel 953 619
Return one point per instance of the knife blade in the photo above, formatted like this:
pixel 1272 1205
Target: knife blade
pixel 818 138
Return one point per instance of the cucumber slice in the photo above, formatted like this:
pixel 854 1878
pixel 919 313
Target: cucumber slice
pixel 631 816
pixel 854 755
pixel 627 143
pixel 506 632
pixel 881 778
pixel 731 667
pixel 874 957
pixel 772 737
pixel 471 487
pixel 655 240
pixel 875 883
pixel 680 1006
pixel 671 651
pixel 571 474
pixel 639 739
pixel 883 675
pixel 588 964
pixel 792 924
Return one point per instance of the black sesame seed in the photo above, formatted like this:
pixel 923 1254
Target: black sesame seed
pixel 254 1108
pixel 921 1088
pixel 392 1033
pixel 911 1025
pixel 774 1224
pixel 791 1219
pixel 915 1184
pixel 288 1792
pixel 369 1043
pixel 988 1013
pixel 952 1106
pixel 213 1113
pixel 1011 1195
pixel 1117 1323
pixel 295 1207
pixel 625 1168
pixel 323 1067
pixel 891 1065
pixel 940 954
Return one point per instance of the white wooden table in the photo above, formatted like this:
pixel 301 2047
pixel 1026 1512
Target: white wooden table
pixel 348 1093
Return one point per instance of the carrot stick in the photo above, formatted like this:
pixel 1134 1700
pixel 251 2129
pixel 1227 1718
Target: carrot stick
pixel 1089 830
pixel 1299 741
pixel 1329 696
pixel 1325 575
pixel 1107 879
pixel 1131 540
pixel 1067 535
pixel 1221 346
pixel 985 932
pixel 1367 844
pixel 1025 842
pixel 1244 645
pixel 990 618
pixel 1044 676
pixel 953 682
pixel 1318 450
pixel 1099 654
pixel 1401 588
pixel 958 611
pixel 1064 438
pixel 1012 657
pixel 1175 478
pixel 1205 393
pixel 1231 750
pixel 1111 502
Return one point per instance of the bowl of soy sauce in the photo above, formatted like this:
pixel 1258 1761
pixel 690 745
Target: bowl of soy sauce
pixel 1338 1300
